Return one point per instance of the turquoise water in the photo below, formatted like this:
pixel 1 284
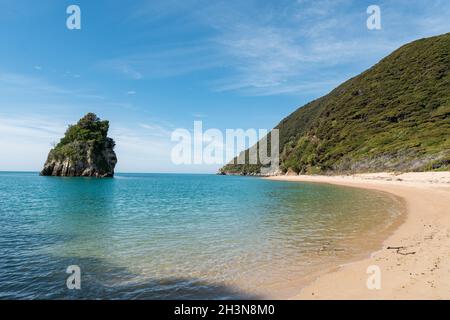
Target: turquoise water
pixel 163 236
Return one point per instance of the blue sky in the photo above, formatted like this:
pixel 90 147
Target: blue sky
pixel 153 66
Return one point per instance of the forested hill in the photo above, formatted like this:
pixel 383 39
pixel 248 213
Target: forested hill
pixel 394 116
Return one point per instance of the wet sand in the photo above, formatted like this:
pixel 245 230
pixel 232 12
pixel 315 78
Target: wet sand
pixel 414 262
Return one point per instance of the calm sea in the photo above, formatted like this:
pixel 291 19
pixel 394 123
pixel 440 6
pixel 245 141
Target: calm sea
pixel 164 236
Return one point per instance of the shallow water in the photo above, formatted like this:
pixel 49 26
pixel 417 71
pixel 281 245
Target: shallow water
pixel 161 236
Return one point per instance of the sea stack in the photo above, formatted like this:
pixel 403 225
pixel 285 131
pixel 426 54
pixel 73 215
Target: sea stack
pixel 84 151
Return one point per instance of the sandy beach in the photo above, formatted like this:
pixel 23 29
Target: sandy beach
pixel 414 261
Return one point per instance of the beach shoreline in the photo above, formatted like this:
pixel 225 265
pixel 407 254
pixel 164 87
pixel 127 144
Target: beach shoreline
pixel 413 261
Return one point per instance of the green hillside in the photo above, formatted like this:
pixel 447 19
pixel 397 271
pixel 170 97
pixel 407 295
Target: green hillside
pixel 89 130
pixel 394 116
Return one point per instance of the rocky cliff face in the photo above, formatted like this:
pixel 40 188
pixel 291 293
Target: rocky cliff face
pixel 84 151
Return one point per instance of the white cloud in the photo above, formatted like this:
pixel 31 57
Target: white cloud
pixel 26 141
pixel 157 130
pixel 143 148
pixel 19 86
pixel 163 61
pixel 275 48
pixel 123 66
pixel 29 84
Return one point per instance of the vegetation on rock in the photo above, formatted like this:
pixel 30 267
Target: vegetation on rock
pixel 85 150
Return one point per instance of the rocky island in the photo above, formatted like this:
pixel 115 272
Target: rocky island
pixel 84 151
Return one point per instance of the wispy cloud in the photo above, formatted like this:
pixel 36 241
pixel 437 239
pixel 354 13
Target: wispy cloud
pixel 124 66
pixel 29 84
pixel 30 127
pixel 275 48
pixel 172 60
pixel 28 140
pixel 278 52
pixel 144 147
pixel 15 85
pixel 157 130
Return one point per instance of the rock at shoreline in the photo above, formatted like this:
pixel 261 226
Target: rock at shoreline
pixel 291 172
pixel 84 151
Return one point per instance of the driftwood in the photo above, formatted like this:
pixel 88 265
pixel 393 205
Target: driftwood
pixel 401 248
pixel 406 253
